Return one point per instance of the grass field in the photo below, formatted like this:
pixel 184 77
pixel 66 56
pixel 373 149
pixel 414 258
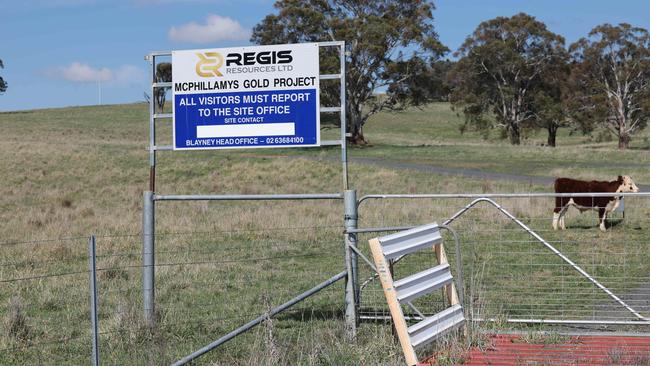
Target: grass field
pixel 74 172
pixel 431 136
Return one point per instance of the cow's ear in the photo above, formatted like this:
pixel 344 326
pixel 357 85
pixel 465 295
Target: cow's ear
pixel 620 178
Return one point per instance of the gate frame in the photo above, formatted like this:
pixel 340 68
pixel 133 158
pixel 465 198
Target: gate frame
pixel 487 197
pixel 349 197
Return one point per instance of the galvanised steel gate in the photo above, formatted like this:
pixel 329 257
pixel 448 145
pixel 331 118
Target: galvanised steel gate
pixel 517 268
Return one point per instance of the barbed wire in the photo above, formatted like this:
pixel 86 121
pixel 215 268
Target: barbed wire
pixel 40 277
pixel 62 340
pixel 61 274
pixel 165 233
pixel 201 251
pixel 41 241
pixel 137 254
pixel 287 228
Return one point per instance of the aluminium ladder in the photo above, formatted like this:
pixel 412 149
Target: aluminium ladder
pixel 405 290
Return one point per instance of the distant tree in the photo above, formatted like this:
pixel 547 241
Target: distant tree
pixel 3 83
pixel 499 71
pixel 378 35
pixel 552 100
pixel 430 85
pixel 440 87
pixel 163 75
pixel 612 78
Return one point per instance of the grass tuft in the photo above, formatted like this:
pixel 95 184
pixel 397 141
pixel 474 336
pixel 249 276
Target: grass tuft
pixel 16 321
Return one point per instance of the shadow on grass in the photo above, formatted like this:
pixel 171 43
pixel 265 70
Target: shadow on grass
pixel 609 223
pixel 641 148
pixel 312 314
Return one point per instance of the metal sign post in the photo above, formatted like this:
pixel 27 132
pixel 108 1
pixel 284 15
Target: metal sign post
pixel 92 263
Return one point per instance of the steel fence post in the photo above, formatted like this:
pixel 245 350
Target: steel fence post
pixel 148 260
pixel 351 286
pixel 92 262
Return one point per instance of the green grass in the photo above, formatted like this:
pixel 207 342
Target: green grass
pixel 72 172
pixel 431 135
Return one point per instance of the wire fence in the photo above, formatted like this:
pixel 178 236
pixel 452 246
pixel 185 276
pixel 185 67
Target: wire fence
pixel 215 275
pixel 41 285
pixel 209 283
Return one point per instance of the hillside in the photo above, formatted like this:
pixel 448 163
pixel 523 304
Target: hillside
pixel 73 172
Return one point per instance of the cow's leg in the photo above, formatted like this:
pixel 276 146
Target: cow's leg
pixel 557 212
pixel 557 219
pixel 562 215
pixel 602 215
pixel 563 211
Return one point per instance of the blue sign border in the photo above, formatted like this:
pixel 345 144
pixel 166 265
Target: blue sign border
pixel 230 109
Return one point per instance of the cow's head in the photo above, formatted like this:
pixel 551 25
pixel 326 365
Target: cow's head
pixel 626 184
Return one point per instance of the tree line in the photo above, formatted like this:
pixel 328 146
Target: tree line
pixel 511 73
pixel 514 73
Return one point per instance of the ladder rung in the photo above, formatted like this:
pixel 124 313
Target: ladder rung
pixel 163 147
pixel 330 76
pixel 422 283
pixel 434 326
pixel 409 241
pixel 330 109
pixel 330 142
pixel 167 84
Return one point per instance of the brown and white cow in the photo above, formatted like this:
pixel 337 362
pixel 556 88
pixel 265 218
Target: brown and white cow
pixel 603 205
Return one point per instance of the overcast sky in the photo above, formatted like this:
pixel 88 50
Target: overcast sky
pixel 59 52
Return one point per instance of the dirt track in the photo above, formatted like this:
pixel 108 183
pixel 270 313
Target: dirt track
pixel 472 173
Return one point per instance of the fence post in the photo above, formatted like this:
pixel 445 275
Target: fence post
pixel 92 261
pixel 351 286
pixel 148 245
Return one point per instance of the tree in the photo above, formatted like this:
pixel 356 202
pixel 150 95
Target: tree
pixel 612 77
pixel 499 71
pixel 163 75
pixel 379 35
pixel 3 83
pixel 552 102
pixel 430 85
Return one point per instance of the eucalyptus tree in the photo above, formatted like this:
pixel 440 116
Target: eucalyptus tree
pixel 553 100
pixel 500 71
pixel 612 79
pixel 392 46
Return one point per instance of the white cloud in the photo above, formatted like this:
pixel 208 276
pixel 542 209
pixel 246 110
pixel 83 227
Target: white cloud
pixel 78 72
pixel 216 28
pixel 129 75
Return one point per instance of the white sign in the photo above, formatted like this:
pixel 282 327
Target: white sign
pixel 263 96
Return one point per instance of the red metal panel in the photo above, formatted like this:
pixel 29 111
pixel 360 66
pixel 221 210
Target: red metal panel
pixel 575 350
